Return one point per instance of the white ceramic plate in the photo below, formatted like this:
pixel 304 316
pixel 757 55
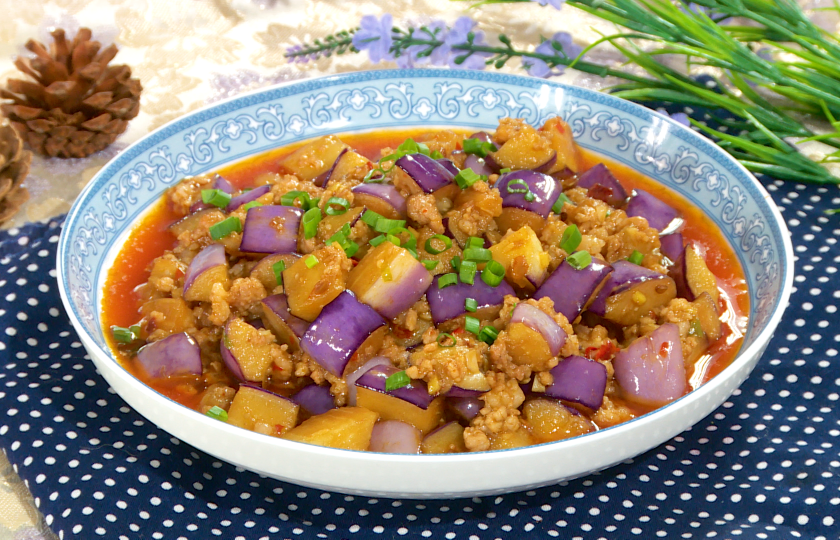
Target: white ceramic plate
pixel 104 213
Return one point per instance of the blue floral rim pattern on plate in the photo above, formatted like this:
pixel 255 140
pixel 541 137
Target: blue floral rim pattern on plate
pixel 266 119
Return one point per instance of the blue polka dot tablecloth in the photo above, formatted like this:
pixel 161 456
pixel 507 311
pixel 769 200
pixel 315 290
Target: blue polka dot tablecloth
pixel 764 465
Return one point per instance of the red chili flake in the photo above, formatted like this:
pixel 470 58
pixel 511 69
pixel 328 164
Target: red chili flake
pixel 458 331
pixel 279 428
pixel 665 349
pixel 605 351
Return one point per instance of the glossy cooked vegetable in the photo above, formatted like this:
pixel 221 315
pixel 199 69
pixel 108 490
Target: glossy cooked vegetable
pixel 454 293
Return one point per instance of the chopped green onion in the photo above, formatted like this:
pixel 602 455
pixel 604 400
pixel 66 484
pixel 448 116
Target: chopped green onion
pixel 571 238
pixel 288 199
pixel 477 254
pixel 226 227
pixel 447 279
pixel 636 257
pixel 579 260
pixel 385 225
pixel 370 217
pixel 123 335
pixel 558 204
pixel 350 248
pixel 511 187
pixel 478 147
pixel 467 272
pixel 440 238
pixel 409 244
pixel 472 325
pixel 341 237
pixel 311 261
pixel 218 413
pixel 530 196
pixel 470 304
pixel 216 197
pixel 467 177
pixel 436 155
pixel 394 240
pixel 278 268
pixel 488 335
pixel 456 263
pixel 430 265
pixel 696 329
pixel 375 241
pixel 135 329
pixel 342 206
pixel 311 219
pixel 474 241
pixel 505 170
pixel 252 204
pixel 493 273
pixel 397 381
pixel 445 335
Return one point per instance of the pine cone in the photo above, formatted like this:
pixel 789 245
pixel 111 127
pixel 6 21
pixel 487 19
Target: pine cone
pixel 14 166
pixel 78 103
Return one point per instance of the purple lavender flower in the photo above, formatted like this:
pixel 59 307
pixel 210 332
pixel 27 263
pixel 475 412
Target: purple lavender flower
pixel 411 57
pixel 556 4
pixel 375 37
pixel 459 34
pixel 539 68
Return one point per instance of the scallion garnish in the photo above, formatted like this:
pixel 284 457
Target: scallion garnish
pixel 447 279
pixel 122 335
pixel 278 268
pixel 289 198
pixel 505 170
pixel 409 146
pixel 436 155
pixel 474 241
pixel 446 335
pixel 456 263
pixel 478 147
pixel 445 240
pixel 370 217
pixel 558 204
pixel 397 381
pixel 336 206
pixel 488 335
pixel 571 238
pixel 467 177
pixel 218 413
pixel 470 304
pixel 252 204
pixel 216 197
pixel 520 186
pixel 311 261
pixel 477 254
pixel 376 240
pixel 467 272
pixel 493 273
pixel 394 240
pixel 411 243
pixel 579 260
pixel 636 257
pixel 225 228
pixel 385 225
pixel 311 219
pixel 429 264
pixel 472 325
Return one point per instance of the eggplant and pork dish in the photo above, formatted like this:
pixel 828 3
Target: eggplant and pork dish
pixel 425 292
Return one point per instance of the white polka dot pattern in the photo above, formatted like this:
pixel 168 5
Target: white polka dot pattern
pixel 762 466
